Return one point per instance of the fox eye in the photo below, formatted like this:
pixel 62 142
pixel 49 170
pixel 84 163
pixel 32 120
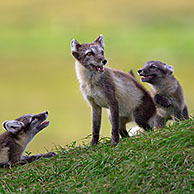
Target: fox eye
pixel 13 127
pixel 90 53
pixel 32 119
pixel 152 66
pixel 102 52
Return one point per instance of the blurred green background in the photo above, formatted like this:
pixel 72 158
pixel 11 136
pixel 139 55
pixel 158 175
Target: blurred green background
pixel 37 70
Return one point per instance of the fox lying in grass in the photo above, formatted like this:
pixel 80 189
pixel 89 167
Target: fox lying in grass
pixel 18 135
pixel 166 90
pixel 124 97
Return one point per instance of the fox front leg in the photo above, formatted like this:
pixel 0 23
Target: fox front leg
pixel 185 114
pixel 96 121
pixel 181 115
pixel 159 122
pixel 162 100
pixel 114 117
pixel 29 159
pixel 122 127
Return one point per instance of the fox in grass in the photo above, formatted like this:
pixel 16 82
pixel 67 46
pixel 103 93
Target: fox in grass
pixel 18 134
pixel 166 91
pixel 124 97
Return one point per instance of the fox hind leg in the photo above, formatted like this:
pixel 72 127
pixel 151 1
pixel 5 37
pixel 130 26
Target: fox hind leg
pixel 142 118
pixel 122 127
pixel 145 113
pixel 141 121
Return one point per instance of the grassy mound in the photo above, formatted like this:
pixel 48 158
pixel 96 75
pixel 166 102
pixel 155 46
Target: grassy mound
pixel 157 162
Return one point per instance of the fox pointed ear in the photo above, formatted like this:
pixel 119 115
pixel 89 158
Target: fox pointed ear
pixel 100 40
pixel 169 69
pixel 75 45
pixel 13 126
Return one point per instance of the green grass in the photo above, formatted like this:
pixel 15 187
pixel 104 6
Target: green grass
pixel 157 162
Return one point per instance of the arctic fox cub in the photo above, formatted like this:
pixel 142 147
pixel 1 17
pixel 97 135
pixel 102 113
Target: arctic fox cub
pixel 166 91
pixel 18 134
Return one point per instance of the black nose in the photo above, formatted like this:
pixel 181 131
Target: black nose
pixel 46 112
pixel 104 62
pixel 139 71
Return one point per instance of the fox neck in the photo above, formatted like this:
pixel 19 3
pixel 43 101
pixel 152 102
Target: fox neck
pixel 167 85
pixel 86 75
pixel 23 142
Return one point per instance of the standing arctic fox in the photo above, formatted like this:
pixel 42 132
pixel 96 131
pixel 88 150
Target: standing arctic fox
pixel 18 134
pixel 166 91
pixel 103 87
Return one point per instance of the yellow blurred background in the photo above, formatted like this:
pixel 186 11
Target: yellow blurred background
pixel 37 70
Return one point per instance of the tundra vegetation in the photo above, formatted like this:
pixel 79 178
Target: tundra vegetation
pixel 156 162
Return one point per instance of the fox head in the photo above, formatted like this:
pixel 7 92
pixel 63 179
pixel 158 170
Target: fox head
pixel 90 55
pixel 154 72
pixel 27 126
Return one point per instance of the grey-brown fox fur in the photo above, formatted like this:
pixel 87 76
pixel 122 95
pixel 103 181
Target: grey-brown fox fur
pixel 103 87
pixel 166 91
pixel 18 134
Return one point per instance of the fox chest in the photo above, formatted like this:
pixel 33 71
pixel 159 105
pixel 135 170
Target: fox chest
pixel 94 95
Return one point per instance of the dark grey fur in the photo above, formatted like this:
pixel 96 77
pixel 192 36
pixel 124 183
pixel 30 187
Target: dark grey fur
pixel 19 133
pixel 166 91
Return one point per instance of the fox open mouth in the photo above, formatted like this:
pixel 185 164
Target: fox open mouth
pixel 146 78
pixel 99 68
pixel 43 125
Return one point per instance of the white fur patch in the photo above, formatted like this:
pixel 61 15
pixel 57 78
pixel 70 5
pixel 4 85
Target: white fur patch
pixel 135 131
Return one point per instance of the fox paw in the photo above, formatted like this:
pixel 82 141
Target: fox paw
pixel 162 100
pixel 49 154
pixel 114 143
pixel 94 142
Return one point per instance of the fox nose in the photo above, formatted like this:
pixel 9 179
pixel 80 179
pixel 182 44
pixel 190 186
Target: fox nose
pixel 139 71
pixel 104 62
pixel 46 112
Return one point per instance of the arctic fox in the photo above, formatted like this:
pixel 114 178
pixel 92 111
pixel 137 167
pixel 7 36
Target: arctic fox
pixel 119 92
pixel 18 134
pixel 166 90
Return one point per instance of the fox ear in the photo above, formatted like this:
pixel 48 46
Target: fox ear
pixel 13 126
pixel 74 45
pixel 169 69
pixel 100 40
